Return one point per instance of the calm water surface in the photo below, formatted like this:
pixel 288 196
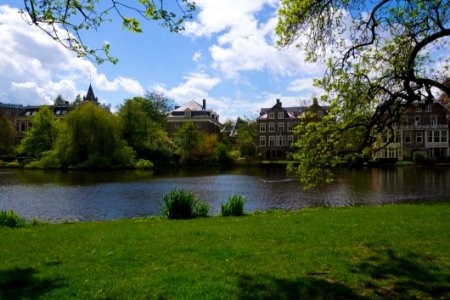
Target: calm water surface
pixel 59 196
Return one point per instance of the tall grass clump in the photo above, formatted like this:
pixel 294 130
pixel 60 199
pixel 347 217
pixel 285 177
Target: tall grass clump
pixel 234 206
pixel 11 219
pixel 179 204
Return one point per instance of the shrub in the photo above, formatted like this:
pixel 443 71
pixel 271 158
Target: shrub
pixel 144 164
pixel 11 219
pixel 183 205
pixel 234 206
pixel 202 209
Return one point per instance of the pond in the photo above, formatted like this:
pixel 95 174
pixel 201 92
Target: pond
pixel 86 196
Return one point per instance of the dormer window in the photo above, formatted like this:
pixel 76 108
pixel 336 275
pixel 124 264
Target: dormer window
pixel 187 113
pixel 271 115
pixel 281 115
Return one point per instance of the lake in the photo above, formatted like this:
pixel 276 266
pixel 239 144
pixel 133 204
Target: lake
pixel 57 196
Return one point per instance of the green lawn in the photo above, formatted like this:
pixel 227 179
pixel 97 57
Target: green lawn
pixel 381 252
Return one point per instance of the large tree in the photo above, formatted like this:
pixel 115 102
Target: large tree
pixel 66 21
pixel 7 136
pixel 143 128
pixel 42 135
pixel 382 57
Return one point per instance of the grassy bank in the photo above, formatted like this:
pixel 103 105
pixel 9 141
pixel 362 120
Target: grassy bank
pixel 346 253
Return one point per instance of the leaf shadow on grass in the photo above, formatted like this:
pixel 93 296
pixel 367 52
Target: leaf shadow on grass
pixel 22 283
pixel 268 287
pixel 405 275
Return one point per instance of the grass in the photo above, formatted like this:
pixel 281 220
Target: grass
pixel 385 252
pixel 179 204
pixel 234 206
pixel 11 219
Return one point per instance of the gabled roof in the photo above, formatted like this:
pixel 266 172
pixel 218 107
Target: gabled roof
pixel 191 105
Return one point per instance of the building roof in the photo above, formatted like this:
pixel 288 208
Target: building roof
pixel 191 105
pixel 90 95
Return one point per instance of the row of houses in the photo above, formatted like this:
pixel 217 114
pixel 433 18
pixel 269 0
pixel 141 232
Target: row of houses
pixel 424 128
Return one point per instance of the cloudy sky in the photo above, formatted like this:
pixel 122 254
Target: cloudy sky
pixel 226 55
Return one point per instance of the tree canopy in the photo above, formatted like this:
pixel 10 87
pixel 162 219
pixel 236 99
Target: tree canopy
pixel 382 58
pixel 66 21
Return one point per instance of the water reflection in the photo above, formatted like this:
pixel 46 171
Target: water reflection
pixel 58 196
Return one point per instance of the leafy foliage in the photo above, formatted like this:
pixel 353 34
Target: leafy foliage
pixel 234 206
pixel 246 138
pixel 183 205
pixel 385 67
pixel 43 133
pixel 187 140
pixel 11 219
pixel 91 138
pixel 65 21
pixel 143 128
pixel 7 136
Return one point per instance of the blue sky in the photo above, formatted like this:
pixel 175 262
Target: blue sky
pixel 226 55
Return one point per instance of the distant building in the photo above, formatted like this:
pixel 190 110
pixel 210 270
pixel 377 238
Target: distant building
pixel 23 122
pixel 423 128
pixel 276 128
pixel 205 120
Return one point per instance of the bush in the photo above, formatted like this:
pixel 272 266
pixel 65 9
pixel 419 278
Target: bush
pixel 11 219
pixel 144 164
pixel 234 206
pixel 183 205
pixel 202 209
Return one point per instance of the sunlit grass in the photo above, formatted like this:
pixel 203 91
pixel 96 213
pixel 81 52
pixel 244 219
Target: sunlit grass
pixel 400 251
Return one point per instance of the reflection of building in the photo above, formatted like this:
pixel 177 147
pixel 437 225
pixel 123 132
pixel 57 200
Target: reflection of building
pixel 204 119
pixel 276 128
pixel 423 128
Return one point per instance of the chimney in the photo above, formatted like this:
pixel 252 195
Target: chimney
pixel 278 102
pixel 204 104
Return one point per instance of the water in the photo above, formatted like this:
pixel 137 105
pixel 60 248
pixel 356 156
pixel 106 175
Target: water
pixel 67 196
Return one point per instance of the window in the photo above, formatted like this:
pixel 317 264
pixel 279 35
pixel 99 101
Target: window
pixel 280 127
pixel 436 137
pixel 444 136
pixel 262 127
pixel 271 141
pixel 429 108
pixel 407 136
pixel 418 109
pixel 289 127
pixel 419 137
pixel 417 121
pixel 290 140
pixel 187 113
pixel 271 115
pixel 262 141
pixel 280 141
pixel 271 127
pixel 405 122
pixel 429 136
pixel 433 120
pixel 281 115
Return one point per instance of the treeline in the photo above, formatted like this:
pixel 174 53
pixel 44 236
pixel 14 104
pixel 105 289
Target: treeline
pixel 91 137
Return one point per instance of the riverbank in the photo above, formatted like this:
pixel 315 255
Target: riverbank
pixel 346 253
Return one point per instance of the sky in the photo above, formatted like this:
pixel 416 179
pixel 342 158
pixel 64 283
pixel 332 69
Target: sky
pixel 226 55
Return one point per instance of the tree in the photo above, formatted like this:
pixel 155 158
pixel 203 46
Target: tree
pixel 66 21
pixel 91 138
pixel 7 136
pixel 42 135
pixel 159 106
pixel 383 58
pixel 187 140
pixel 142 129
pixel 59 100
pixel 78 100
pixel 246 138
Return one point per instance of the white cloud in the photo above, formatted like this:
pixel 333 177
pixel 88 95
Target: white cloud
pixel 244 42
pixel 34 69
pixel 195 87
pixel 197 56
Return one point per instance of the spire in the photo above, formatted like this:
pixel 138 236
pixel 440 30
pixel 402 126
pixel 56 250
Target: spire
pixel 90 95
